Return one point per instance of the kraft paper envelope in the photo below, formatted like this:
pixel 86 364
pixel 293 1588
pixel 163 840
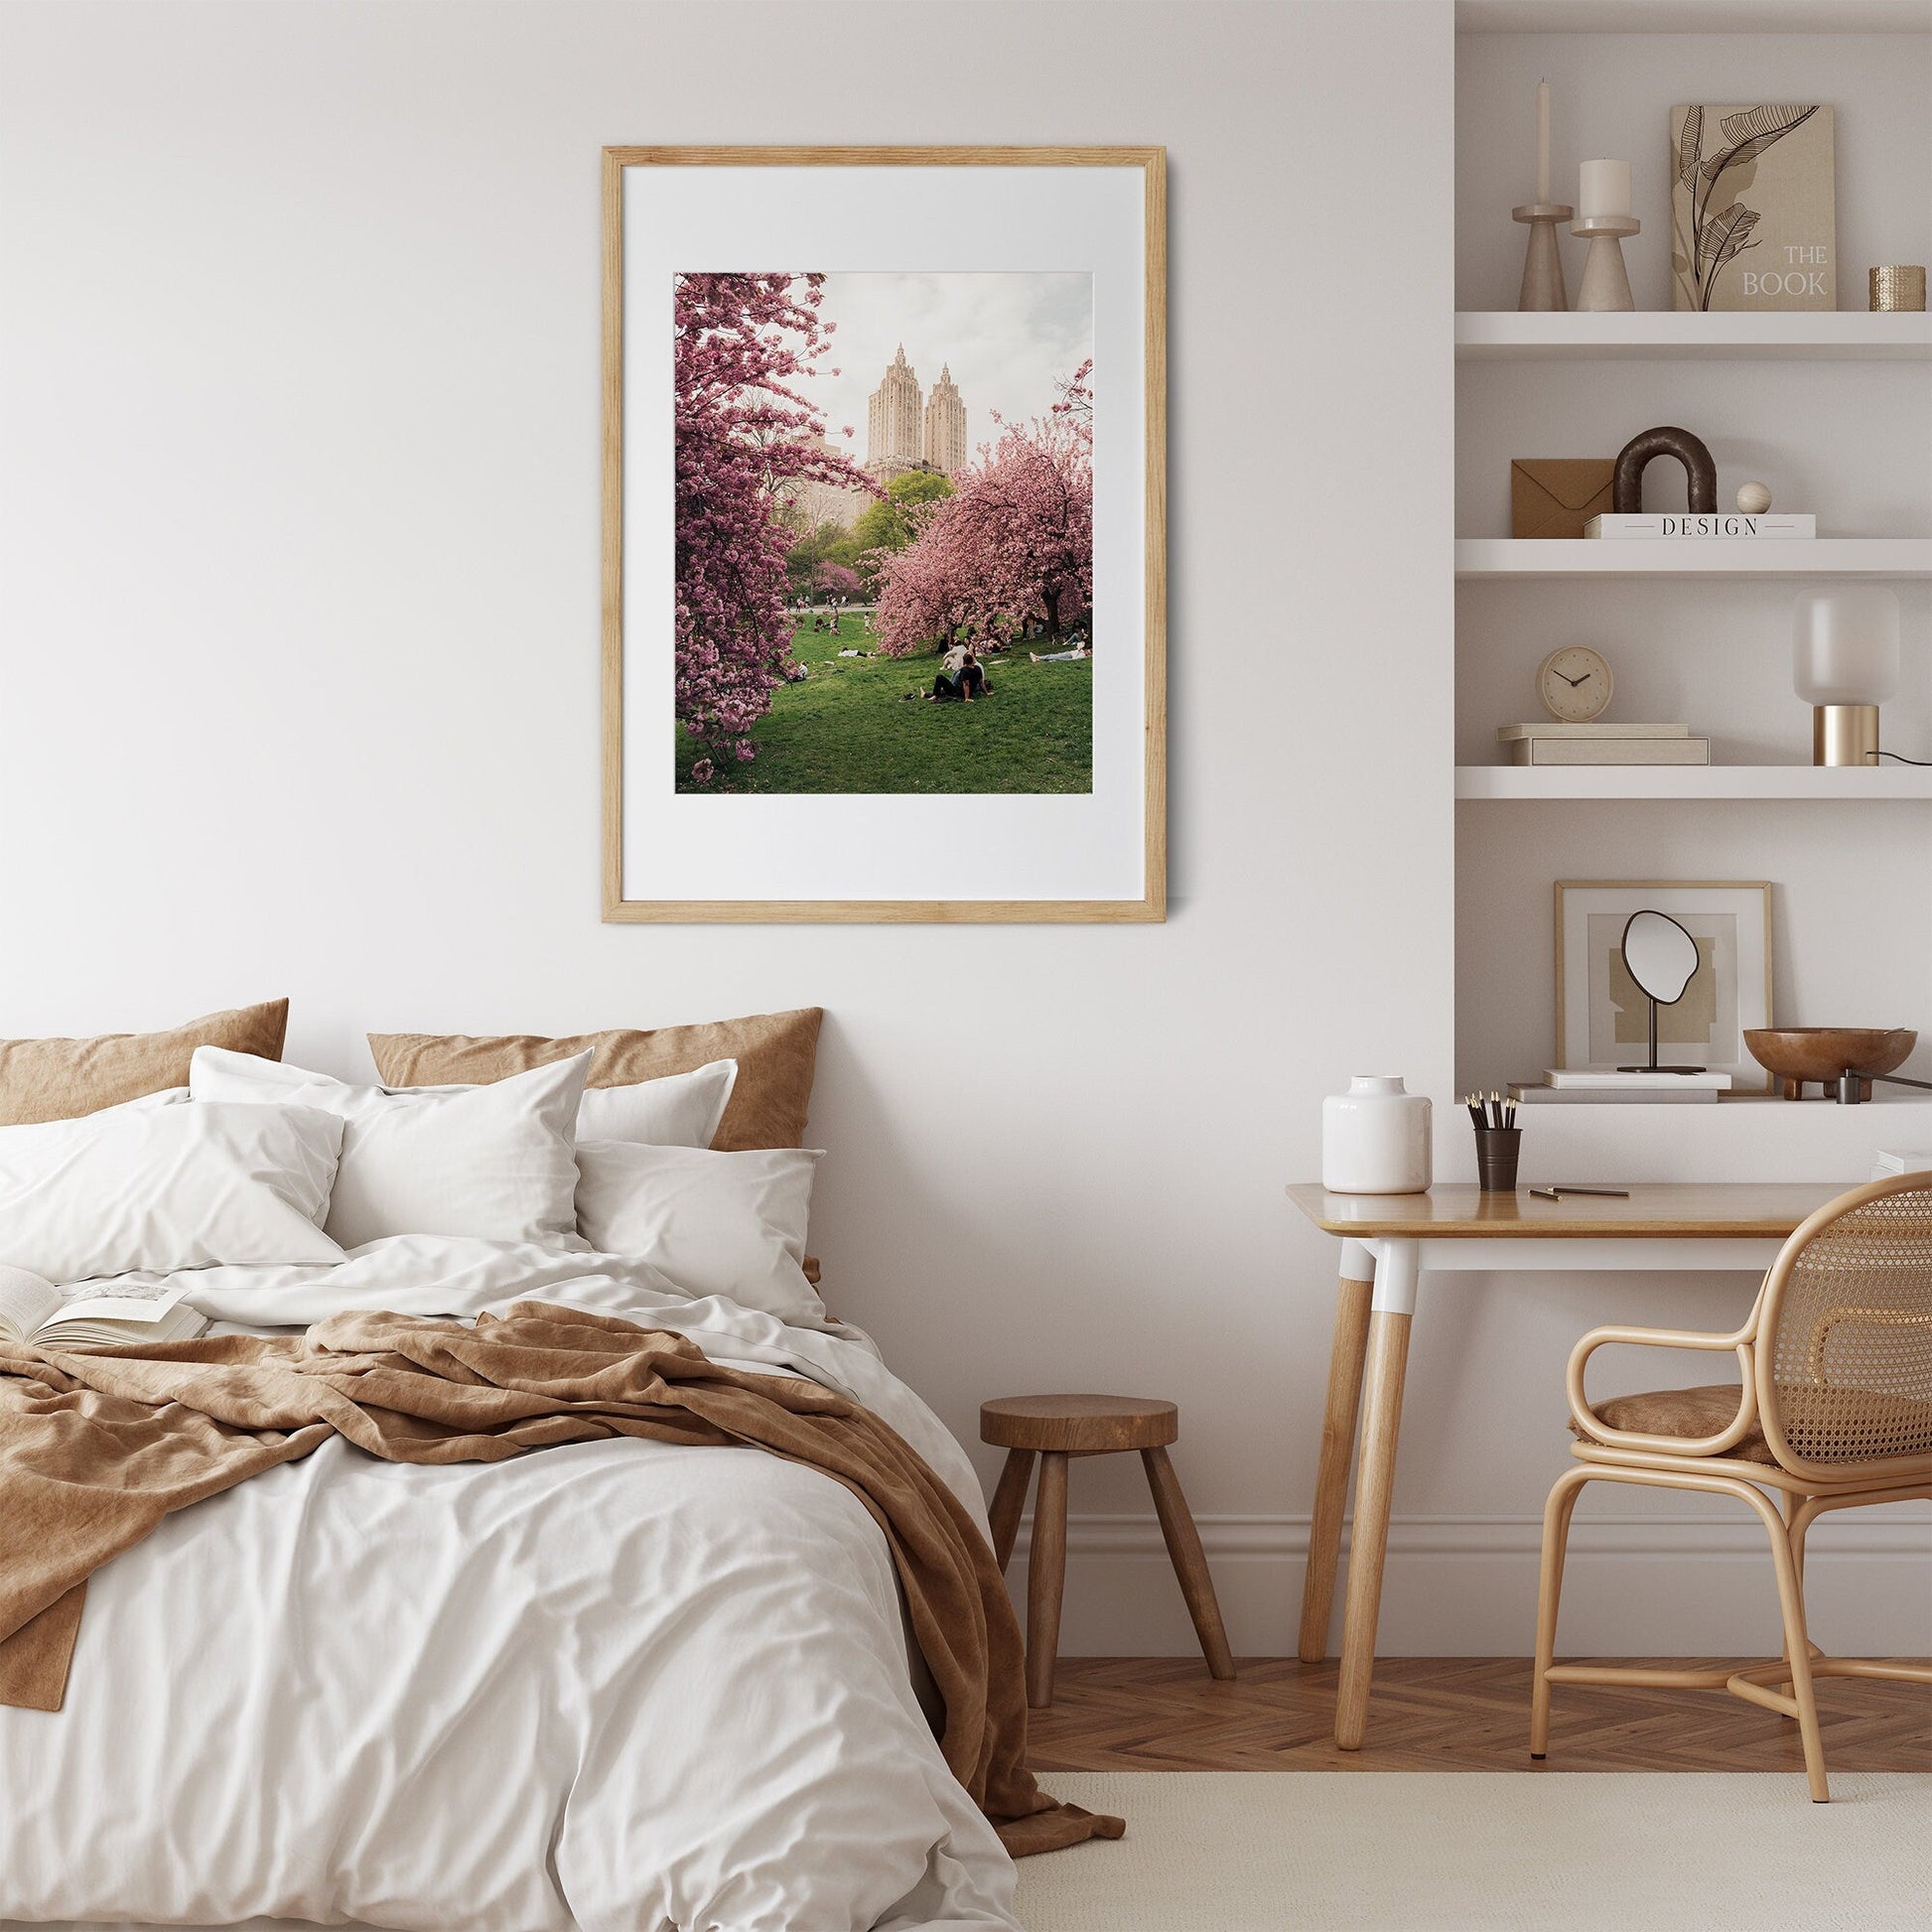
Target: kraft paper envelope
pixel 1556 496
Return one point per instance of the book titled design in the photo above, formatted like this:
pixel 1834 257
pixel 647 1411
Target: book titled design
pixel 1706 523
pixel 1753 220
pixel 33 1309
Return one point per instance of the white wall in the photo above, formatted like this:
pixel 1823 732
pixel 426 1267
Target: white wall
pixel 298 676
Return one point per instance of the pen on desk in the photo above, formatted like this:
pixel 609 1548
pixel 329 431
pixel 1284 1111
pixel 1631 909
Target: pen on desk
pixel 1545 1194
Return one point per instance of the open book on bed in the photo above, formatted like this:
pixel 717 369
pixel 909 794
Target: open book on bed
pixel 33 1311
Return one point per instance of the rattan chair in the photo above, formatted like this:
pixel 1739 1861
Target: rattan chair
pixel 1834 1410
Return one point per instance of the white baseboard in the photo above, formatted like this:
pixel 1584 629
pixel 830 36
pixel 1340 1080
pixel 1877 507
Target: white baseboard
pixel 1465 1585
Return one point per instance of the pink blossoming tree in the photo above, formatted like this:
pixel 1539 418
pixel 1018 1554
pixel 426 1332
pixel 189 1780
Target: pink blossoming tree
pixel 742 432
pixel 1014 544
pixel 835 580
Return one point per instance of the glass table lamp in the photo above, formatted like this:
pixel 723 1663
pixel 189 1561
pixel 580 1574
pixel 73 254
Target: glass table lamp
pixel 1845 665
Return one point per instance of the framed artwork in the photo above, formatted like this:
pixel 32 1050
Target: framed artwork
pixel 1602 1016
pixel 883 535
pixel 1754 206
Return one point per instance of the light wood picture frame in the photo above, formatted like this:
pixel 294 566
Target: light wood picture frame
pixel 1025 848
pixel 1730 920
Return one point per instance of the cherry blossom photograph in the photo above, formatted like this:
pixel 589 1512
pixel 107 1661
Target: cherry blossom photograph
pixel 884 438
pixel 883 532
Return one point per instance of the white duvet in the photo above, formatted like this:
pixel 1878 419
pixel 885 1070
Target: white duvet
pixel 619 1686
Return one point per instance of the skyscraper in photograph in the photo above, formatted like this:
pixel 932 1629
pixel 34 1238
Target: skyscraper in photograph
pixel 945 426
pixel 892 441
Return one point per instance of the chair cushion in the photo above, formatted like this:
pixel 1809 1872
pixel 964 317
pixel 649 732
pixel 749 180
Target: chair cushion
pixel 1687 1413
pixel 1813 1420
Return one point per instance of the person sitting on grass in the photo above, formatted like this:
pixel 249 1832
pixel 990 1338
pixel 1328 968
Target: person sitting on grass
pixel 959 677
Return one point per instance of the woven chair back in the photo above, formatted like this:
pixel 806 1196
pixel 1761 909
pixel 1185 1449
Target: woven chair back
pixel 1845 1335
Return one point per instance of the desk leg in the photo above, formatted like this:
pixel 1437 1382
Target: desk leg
pixel 1392 1308
pixel 1338 1447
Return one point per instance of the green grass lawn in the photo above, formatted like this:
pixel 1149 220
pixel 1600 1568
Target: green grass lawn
pixel 849 728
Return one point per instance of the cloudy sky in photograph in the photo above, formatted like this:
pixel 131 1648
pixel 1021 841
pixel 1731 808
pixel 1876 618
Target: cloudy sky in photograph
pixel 1007 340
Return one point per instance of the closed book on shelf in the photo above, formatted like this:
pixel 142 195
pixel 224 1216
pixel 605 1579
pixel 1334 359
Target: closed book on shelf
pixel 1712 525
pixel 1535 1096
pixel 1889 1160
pixel 1611 751
pixel 1608 1077
pixel 1551 728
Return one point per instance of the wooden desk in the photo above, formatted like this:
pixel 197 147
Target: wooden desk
pixel 1388 1242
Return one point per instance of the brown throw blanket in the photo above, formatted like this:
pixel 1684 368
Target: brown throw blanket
pixel 98 1445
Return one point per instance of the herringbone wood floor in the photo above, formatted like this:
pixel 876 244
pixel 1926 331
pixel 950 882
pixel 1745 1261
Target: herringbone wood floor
pixel 1447 1713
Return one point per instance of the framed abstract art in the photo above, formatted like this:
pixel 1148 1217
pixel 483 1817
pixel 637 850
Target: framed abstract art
pixel 1602 1016
pixel 883 578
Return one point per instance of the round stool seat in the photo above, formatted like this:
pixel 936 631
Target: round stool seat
pixel 1079 1424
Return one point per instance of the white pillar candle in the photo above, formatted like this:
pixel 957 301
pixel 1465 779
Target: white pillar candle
pixel 1542 141
pixel 1604 191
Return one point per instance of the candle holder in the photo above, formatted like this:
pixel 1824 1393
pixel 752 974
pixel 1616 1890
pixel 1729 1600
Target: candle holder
pixel 1606 286
pixel 1541 265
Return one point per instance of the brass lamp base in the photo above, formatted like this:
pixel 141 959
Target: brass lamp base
pixel 1844 734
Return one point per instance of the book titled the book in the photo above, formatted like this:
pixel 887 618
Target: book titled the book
pixel 1608 1078
pixel 1528 1095
pixel 33 1309
pixel 1753 210
pixel 1611 751
pixel 1694 524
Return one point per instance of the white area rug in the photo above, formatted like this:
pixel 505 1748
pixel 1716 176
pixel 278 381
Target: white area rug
pixel 1392 1850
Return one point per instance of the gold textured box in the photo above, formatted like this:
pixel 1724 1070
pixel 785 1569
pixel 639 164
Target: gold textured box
pixel 1898 289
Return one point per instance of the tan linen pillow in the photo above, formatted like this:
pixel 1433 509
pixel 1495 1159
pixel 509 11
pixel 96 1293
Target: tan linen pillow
pixel 775 1053
pixel 60 1079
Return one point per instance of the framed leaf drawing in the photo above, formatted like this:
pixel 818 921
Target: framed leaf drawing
pixel 883 535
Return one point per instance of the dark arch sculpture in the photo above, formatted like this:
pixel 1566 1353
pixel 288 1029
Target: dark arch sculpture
pixel 1700 474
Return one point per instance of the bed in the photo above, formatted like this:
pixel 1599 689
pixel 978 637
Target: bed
pixel 619 1686
pixel 616 1685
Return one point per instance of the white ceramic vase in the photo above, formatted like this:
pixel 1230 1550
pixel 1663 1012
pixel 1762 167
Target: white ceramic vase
pixel 1375 1138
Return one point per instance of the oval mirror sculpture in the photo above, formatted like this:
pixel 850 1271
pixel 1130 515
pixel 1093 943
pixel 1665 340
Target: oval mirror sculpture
pixel 1661 955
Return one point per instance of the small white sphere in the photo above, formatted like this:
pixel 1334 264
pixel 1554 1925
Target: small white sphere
pixel 1754 498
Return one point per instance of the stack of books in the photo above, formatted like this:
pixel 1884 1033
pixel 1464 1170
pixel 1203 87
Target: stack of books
pixel 1597 1085
pixel 1552 743
pixel 1891 1161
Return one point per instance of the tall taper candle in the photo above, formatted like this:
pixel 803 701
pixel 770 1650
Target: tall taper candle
pixel 1542 141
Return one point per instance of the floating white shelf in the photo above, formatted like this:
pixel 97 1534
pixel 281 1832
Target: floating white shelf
pixel 1741 1138
pixel 1693 557
pixel 1483 335
pixel 1886 782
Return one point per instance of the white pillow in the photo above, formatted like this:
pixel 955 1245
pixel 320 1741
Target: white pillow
pixel 166 1188
pixel 673 1110
pixel 731 1224
pixel 494 1164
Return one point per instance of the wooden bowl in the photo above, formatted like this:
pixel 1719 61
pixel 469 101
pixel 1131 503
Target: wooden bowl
pixel 1796 1054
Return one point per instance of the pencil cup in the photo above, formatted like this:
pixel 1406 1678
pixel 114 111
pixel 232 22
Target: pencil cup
pixel 1496 1152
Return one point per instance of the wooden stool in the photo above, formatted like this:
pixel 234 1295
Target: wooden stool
pixel 1055 1427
